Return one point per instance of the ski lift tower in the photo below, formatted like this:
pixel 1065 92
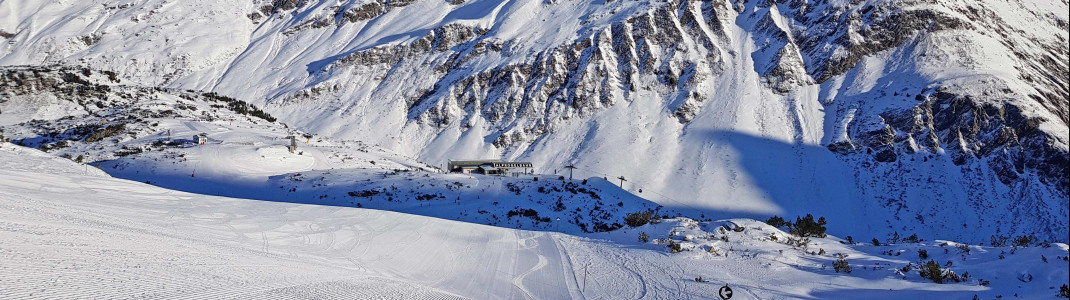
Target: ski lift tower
pixel 293 144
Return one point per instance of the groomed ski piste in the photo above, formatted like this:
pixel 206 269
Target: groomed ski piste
pixel 68 230
pixel 920 128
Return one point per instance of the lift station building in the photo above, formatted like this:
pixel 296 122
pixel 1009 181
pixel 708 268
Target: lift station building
pixel 488 166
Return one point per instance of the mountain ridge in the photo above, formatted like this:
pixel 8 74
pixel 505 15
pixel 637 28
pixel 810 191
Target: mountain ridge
pixel 901 102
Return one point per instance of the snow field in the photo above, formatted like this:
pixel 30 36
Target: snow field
pixel 93 236
pixel 70 235
pixel 718 163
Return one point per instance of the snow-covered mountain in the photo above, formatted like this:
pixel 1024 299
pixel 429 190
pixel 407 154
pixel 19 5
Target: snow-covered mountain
pixel 150 135
pixel 67 232
pixel 943 118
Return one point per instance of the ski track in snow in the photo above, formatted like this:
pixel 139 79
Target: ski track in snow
pixel 67 231
pixel 101 268
pixel 518 281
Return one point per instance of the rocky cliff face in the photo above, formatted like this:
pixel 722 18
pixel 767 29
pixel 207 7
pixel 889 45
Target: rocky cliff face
pixel 54 107
pixel 968 98
pixel 602 67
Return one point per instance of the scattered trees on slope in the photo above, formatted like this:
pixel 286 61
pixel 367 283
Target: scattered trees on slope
pixel 674 247
pixel 641 218
pixel 107 132
pixel 803 226
pixel 841 264
pixel 240 107
pixel 807 227
pixel 932 271
pixel 777 222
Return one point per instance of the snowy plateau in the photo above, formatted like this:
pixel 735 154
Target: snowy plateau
pixel 815 149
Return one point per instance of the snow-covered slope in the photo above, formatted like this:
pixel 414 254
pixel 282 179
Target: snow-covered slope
pixel 943 118
pixel 68 234
pixel 78 112
pixel 73 235
pixel 148 135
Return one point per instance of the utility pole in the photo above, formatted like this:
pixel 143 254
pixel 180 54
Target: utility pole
pixel 622 180
pixel 570 167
